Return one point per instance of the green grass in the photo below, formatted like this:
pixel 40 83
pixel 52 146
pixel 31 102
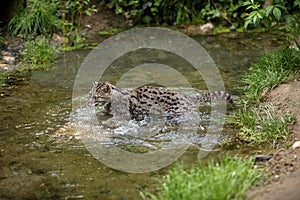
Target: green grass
pixel 229 179
pixel 269 71
pixel 3 79
pixel 37 19
pixel 261 125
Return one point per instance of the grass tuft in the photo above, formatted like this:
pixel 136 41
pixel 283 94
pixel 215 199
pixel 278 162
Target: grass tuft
pixel 261 124
pixel 229 179
pixel 37 19
pixel 269 71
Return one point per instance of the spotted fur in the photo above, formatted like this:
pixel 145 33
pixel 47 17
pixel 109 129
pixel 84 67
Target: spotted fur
pixel 148 99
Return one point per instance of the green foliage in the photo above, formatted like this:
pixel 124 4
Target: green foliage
pixel 231 178
pixel 3 78
pixel 261 124
pixel 73 10
pixel 177 12
pixel 256 14
pixel 138 11
pixel 36 19
pixel 38 53
pixel 71 13
pixel 9 78
pixel 227 12
pixel 269 71
pixel 279 11
pixel 48 16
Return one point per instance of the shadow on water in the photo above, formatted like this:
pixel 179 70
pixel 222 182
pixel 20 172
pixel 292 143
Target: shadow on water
pixel 41 157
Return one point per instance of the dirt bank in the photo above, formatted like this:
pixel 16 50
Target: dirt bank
pixel 285 165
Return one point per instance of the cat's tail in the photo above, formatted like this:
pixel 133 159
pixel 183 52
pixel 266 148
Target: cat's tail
pixel 215 95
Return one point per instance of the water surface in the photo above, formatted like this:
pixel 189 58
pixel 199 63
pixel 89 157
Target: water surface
pixel 41 157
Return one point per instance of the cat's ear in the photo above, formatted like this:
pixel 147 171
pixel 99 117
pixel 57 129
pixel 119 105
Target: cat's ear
pixel 95 83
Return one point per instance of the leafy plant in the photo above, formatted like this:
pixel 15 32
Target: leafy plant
pixel 177 12
pixel 138 10
pixel 73 10
pixel 271 15
pixel 38 52
pixel 227 179
pixel 71 13
pixel 256 14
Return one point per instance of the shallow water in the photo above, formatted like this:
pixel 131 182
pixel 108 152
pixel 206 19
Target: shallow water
pixel 41 155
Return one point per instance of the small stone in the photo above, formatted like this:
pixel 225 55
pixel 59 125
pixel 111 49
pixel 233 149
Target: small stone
pixel 4 66
pixel 232 28
pixel 207 28
pixel 8 58
pixel 296 145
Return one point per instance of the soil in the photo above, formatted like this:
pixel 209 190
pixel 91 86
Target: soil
pixel 285 165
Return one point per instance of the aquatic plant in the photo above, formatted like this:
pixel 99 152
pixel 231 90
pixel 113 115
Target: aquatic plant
pixel 230 178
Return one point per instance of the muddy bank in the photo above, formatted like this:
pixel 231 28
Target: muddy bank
pixel 284 182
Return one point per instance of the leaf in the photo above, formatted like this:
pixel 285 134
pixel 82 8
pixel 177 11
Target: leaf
pixel 134 12
pixel 289 19
pixel 154 10
pixel 147 19
pixel 247 3
pixel 297 3
pixel 247 23
pixel 256 20
pixel 277 13
pixel 157 3
pixel 259 15
pixel 268 10
pixel 281 7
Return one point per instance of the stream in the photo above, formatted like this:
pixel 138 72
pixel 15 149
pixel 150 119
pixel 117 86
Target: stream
pixel 41 153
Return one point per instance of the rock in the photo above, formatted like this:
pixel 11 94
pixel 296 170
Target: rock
pixel 11 53
pixel 202 29
pixel 207 28
pixel 296 145
pixel 263 158
pixel 232 28
pixel 57 40
pixel 4 67
pixel 8 59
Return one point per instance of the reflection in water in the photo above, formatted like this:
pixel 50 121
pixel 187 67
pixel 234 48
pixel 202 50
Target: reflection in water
pixel 40 157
